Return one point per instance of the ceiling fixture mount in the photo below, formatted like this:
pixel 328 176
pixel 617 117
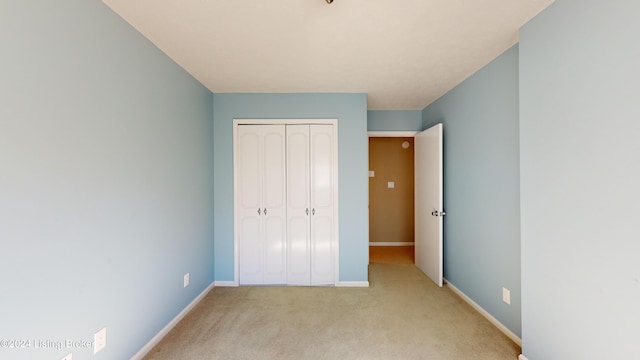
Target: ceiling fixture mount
pixel 329 1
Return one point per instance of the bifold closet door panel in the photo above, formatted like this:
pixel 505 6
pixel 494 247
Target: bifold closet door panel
pixel 298 205
pixel 249 204
pixel 322 203
pixel 261 204
pixel 274 204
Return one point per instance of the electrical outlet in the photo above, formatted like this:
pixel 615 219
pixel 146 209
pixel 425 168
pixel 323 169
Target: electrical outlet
pixel 68 357
pixel 506 295
pixel 391 184
pixel 186 279
pixel 99 340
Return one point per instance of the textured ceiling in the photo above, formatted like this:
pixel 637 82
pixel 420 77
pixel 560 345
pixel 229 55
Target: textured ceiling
pixel 403 53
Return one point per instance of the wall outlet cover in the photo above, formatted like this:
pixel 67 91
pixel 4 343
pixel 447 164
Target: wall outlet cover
pixel 186 280
pixel 99 340
pixel 372 173
pixel 391 184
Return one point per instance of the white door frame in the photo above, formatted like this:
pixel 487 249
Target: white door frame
pixel 400 134
pixel 390 134
pixel 336 229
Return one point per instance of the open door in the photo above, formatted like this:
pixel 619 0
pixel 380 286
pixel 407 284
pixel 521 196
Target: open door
pixel 428 202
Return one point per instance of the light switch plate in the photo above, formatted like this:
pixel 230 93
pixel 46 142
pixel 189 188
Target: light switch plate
pixel 186 280
pixel 391 184
pixel 506 295
pixel 372 173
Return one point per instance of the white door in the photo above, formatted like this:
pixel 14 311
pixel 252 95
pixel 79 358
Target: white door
pixel 298 205
pixel 428 202
pixel 274 204
pixel 261 204
pixel 310 204
pixel 322 206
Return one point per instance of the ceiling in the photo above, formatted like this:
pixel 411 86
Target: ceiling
pixel 403 53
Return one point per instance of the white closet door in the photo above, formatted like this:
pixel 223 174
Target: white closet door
pixel 261 186
pixel 274 204
pixel 322 188
pixel 249 204
pixel 298 208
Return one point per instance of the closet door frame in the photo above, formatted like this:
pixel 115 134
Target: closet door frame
pixel 336 228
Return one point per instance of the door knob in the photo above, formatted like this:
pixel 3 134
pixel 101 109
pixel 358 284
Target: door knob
pixel 265 211
pixel 434 213
pixel 259 213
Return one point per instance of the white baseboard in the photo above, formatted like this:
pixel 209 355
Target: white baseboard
pixel 484 313
pixel 165 330
pixel 352 284
pixel 391 243
pixel 522 357
pixel 226 283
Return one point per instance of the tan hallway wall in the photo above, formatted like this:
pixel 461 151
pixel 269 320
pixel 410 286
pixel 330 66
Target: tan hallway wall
pixel 391 217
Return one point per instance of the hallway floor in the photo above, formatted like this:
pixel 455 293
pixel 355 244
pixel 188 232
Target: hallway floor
pixel 400 255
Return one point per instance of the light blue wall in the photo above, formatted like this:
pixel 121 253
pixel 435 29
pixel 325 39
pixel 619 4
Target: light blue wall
pixel 481 186
pixel 106 173
pixel 580 170
pixel 394 120
pixel 351 112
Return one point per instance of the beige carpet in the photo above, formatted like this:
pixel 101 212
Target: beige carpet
pixel 402 315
